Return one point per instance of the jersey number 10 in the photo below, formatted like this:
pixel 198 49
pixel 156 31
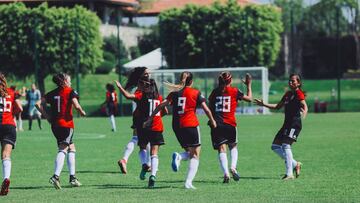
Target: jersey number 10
pixel 153 103
pixel 223 104
pixel 5 106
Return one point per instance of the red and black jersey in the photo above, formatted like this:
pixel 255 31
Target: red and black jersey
pixel 145 105
pixel 111 97
pixel 184 104
pixel 60 100
pixel 223 103
pixel 292 105
pixel 7 108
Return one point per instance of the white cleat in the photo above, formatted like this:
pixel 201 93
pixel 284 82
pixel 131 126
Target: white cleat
pixel 189 186
pixel 175 163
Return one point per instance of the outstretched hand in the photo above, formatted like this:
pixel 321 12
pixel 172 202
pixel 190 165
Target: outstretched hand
pixel 148 123
pixel 247 80
pixel 82 113
pixel 259 102
pixel 117 83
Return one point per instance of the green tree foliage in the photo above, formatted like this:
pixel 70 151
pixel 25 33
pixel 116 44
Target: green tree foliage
pixel 149 41
pixel 111 45
pixel 52 33
pixel 221 35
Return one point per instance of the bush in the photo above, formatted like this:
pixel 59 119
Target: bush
pixel 105 68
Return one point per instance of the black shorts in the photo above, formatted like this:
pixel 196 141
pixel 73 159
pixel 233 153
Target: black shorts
pixel 223 134
pixel 63 135
pixel 188 137
pixel 288 133
pixel 146 136
pixel 133 126
pixel 110 109
pixel 8 135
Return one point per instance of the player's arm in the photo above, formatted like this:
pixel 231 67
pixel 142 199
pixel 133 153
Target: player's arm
pixel 277 106
pixel 164 111
pixel 304 108
pixel 247 82
pixel 126 94
pixel 77 106
pixel 40 108
pixel 160 107
pixel 18 105
pixel 209 114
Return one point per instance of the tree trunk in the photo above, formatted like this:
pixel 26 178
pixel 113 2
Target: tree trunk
pixel 41 84
pixel 357 54
pixel 286 55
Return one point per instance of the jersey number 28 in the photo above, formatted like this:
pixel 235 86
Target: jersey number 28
pixel 223 104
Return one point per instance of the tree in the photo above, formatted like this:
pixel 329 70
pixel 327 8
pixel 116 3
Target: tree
pixel 220 35
pixel 48 37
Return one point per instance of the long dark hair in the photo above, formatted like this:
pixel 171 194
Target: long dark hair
pixel 151 90
pixel 135 75
pixel 3 86
pixel 223 80
pixel 60 79
pixel 110 87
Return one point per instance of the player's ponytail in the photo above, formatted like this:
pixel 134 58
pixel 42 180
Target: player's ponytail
pixel 60 79
pixel 186 79
pixel 134 76
pixel 224 79
pixel 3 86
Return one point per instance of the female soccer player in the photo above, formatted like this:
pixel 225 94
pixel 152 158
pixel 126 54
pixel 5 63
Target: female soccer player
pixel 223 102
pixel 133 81
pixel 17 113
pixel 111 105
pixel 7 130
pixel 61 101
pixel 185 123
pixel 295 105
pixel 147 99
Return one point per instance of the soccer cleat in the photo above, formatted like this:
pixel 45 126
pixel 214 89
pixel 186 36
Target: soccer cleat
pixel 5 187
pixel 144 170
pixel 226 179
pixel 286 177
pixel 122 165
pixel 235 175
pixel 297 169
pixel 152 180
pixel 54 180
pixel 175 163
pixel 189 186
pixel 74 182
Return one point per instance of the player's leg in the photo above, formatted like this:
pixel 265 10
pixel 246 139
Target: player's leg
pixel 193 142
pixel 286 146
pixel 59 164
pixel 223 160
pixel 142 142
pixel 38 117
pixel 155 139
pixel 128 150
pixel 20 124
pixel 31 114
pixel 71 166
pixel 183 156
pixel 6 167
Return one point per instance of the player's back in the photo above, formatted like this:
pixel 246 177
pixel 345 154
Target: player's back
pixel 7 108
pixel 60 100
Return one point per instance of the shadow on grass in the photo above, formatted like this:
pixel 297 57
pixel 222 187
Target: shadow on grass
pixel 114 186
pixel 31 187
pixel 112 172
pixel 258 178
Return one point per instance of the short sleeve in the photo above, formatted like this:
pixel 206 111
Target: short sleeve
pixel 170 97
pixel 138 95
pixel 200 99
pixel 239 95
pixel 300 95
pixel 74 94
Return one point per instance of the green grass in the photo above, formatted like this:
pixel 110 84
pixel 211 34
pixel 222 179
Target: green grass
pixel 328 147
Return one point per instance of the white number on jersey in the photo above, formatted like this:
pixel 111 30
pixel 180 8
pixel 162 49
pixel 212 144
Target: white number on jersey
pixel 5 106
pixel 153 103
pixel 57 98
pixel 223 104
pixel 181 103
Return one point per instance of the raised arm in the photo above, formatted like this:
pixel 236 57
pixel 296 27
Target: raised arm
pixel 209 115
pixel 123 91
pixel 77 106
pixel 248 96
pixel 277 106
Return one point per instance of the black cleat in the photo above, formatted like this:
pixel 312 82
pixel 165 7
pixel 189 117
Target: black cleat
pixel 226 179
pixel 152 180
pixel 55 181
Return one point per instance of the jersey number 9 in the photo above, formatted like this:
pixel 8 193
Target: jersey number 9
pixel 181 104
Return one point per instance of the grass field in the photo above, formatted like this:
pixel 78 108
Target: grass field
pixel 328 147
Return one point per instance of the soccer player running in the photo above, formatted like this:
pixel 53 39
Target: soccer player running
pixel 147 99
pixel 111 105
pixel 8 103
pixel 295 106
pixel 61 101
pixel 223 101
pixel 185 123
pixel 33 96
pixel 137 74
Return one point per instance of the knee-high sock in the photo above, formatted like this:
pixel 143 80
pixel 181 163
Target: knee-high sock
pixel 234 157
pixel 6 166
pixel 154 164
pixel 59 162
pixel 112 122
pixel 184 156
pixel 143 156
pixel 130 147
pixel 30 122
pixel 288 159
pixel 148 156
pixel 224 163
pixel 39 121
pixel 192 170
pixel 71 162
pixel 20 123
pixel 279 151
